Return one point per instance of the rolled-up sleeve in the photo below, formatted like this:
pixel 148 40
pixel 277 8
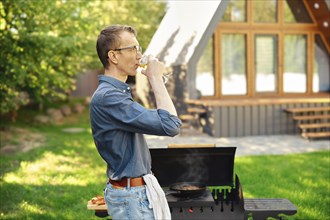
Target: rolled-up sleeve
pixel 130 116
pixel 171 123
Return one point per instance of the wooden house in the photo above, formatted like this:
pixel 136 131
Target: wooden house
pixel 240 66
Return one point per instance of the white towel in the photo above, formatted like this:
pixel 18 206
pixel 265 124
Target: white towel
pixel 156 197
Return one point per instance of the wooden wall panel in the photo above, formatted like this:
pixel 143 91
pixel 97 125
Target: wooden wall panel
pixel 289 123
pixel 269 123
pixel 86 84
pixel 232 123
pixel 247 129
pixel 262 120
pixel 255 121
pixel 216 126
pixel 238 121
pixel 224 115
pixel 277 119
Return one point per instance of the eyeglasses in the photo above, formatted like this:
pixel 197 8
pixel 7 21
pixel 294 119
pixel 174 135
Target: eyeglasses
pixel 138 48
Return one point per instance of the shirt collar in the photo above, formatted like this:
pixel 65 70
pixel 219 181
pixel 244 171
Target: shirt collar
pixel 115 82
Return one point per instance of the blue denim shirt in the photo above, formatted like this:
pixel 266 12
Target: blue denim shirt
pixel 118 124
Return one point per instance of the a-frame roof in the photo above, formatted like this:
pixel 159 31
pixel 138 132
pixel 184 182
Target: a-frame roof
pixel 188 25
pixel 320 10
pixel 185 30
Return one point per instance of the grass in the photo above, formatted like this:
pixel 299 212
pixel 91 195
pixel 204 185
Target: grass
pixel 301 178
pixel 55 180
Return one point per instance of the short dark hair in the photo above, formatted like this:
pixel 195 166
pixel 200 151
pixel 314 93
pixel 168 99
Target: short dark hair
pixel 108 39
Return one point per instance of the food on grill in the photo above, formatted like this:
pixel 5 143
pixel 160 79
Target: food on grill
pixel 98 200
pixel 189 187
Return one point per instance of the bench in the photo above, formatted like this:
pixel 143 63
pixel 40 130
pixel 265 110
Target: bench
pixel 261 209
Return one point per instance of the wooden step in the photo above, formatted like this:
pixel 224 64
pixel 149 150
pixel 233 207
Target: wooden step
pixel 185 125
pixel 316 125
pixel 310 117
pixel 196 110
pixel 308 109
pixel 316 134
pixel 187 117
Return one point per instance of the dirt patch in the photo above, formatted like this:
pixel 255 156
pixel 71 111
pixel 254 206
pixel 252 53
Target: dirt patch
pixel 15 140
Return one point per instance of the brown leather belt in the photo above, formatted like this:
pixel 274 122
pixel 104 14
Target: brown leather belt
pixel 124 182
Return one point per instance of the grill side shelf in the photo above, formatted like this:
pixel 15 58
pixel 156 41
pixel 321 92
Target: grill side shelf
pixel 263 208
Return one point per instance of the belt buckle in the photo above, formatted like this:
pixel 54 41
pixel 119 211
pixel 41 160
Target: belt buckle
pixel 128 183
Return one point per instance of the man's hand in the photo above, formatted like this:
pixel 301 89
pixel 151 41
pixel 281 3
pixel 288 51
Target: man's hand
pixel 155 68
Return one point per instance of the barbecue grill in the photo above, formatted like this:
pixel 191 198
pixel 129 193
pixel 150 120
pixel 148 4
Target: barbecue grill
pixel 223 196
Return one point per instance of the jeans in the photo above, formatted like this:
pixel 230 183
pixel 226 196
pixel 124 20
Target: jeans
pixel 128 203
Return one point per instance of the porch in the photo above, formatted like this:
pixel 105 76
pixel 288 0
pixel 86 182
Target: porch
pixel 253 116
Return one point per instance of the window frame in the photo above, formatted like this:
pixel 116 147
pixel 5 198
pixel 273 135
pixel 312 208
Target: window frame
pixel 276 69
pixel 251 29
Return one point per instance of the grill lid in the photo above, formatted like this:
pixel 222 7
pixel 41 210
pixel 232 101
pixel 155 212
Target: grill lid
pixel 212 166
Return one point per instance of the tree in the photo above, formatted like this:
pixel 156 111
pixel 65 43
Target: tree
pixel 45 44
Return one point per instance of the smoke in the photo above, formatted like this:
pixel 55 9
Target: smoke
pixel 196 169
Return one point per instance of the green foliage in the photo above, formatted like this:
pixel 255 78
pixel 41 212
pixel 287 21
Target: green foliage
pixel 42 48
pixel 45 44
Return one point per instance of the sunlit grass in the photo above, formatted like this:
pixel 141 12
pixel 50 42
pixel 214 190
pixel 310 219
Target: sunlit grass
pixel 55 180
pixel 25 206
pixel 50 169
pixel 304 179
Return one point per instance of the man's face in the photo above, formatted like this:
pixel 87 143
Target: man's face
pixel 128 59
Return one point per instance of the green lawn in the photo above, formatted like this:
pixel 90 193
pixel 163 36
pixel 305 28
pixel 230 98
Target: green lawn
pixel 301 178
pixel 55 180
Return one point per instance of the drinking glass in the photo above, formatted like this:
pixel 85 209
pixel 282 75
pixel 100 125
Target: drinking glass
pixel 144 63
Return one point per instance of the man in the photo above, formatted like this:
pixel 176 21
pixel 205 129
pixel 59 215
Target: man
pixel 118 124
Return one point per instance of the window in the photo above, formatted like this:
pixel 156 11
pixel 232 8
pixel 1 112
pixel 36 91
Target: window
pixel 233 64
pixel 266 63
pixel 321 72
pixel 265 11
pixel 235 11
pixel 205 71
pixel 266 48
pixel 295 63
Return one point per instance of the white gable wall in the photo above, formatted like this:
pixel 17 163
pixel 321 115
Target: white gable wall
pixel 190 19
pixel 183 35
